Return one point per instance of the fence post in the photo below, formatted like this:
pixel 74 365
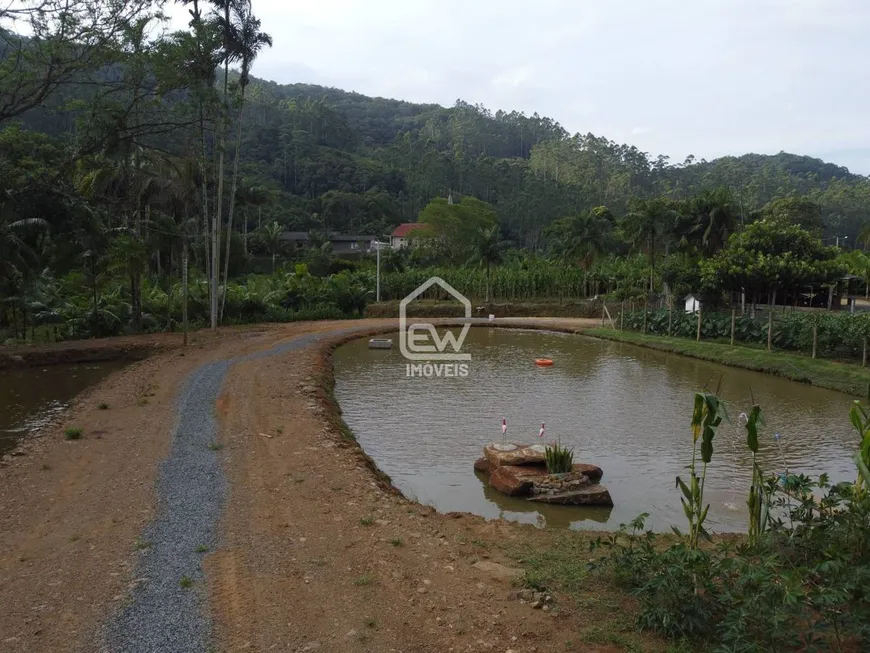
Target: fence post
pixel 671 316
pixel 864 357
pixel 645 307
pixel 769 328
pixel 698 338
pixel 622 316
pixel 815 338
pixel 733 321
pixel 603 312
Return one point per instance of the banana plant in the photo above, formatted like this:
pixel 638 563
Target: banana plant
pixel 759 499
pixel 861 421
pixel 707 415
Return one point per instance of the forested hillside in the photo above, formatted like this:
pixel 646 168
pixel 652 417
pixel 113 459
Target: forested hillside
pixel 333 160
pixel 147 172
pixel 343 161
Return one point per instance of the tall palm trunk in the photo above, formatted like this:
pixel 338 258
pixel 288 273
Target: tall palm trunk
pixel 184 290
pixel 203 168
pixel 220 182
pixel 233 198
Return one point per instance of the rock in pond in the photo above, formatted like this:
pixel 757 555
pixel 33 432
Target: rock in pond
pixel 593 472
pixel 514 454
pixel 483 465
pixel 507 482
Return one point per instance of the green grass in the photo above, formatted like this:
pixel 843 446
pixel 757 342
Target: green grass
pixel 73 433
pixel 103 406
pixel 141 545
pixel 563 565
pixel 844 377
pixel 185 582
pixel 365 579
pixel 367 521
pixel 397 541
pixel 215 446
pixel 202 548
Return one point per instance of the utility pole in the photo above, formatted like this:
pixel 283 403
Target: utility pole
pixel 378 244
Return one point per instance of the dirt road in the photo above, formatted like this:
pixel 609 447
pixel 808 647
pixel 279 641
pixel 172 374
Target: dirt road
pixel 313 551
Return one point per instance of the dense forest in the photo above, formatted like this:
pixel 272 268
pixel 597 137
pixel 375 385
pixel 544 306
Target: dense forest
pixel 146 171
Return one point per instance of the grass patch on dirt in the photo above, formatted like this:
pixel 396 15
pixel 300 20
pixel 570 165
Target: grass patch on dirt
pixel 560 563
pixel 844 377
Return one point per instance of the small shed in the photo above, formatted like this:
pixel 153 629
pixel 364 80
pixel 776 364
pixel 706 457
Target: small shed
pixel 693 305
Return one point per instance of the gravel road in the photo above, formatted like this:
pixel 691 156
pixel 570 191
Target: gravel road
pixel 168 609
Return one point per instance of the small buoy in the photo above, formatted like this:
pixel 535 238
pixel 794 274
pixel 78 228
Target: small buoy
pixel 543 362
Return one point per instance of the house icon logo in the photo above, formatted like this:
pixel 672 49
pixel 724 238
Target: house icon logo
pixel 420 341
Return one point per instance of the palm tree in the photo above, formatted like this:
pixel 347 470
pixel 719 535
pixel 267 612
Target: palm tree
pixel 16 255
pixel 202 57
pixel 272 238
pixel 644 225
pixel 582 238
pixel 230 54
pixel 249 41
pixel 714 215
pixel 487 252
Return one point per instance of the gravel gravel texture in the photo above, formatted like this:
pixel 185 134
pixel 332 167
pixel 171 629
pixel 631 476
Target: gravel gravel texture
pixel 168 608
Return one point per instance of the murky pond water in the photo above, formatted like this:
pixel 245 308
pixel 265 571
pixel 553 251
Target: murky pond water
pixel 623 408
pixel 30 397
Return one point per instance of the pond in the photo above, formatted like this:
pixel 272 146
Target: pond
pixel 30 397
pixel 624 408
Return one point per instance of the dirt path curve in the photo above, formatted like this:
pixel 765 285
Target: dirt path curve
pixel 313 554
pixel 316 555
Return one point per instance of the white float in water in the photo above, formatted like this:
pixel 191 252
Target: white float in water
pixel 380 343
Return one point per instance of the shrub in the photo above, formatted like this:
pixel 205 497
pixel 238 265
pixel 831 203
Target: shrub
pixel 73 433
pixel 802 582
pixel 559 459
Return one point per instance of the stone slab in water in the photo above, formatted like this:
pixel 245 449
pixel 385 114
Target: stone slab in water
pixel 590 495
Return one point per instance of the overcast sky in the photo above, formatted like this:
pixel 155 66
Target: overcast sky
pixel 674 77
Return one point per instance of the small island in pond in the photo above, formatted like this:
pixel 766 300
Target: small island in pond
pixel 521 470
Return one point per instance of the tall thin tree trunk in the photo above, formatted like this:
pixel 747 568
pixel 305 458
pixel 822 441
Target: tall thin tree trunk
pixel 96 318
pixel 233 187
pixel 184 290
pixel 220 182
pixel 245 231
pixel 203 168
